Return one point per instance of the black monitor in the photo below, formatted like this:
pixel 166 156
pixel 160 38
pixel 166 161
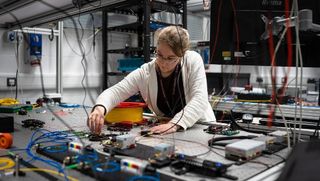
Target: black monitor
pixel 239 36
pixel 221 82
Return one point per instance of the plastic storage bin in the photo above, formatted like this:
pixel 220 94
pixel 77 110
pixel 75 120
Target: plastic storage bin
pixel 129 64
pixel 129 112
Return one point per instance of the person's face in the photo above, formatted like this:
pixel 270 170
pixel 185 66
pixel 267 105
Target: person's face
pixel 166 59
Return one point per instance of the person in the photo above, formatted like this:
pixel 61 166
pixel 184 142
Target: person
pixel 173 85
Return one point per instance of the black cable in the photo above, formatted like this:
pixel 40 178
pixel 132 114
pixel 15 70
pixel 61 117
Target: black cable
pixel 94 33
pixel 41 78
pixel 254 161
pixel 213 141
pixel 82 51
pixel 180 94
pixel 283 158
pixel 17 71
pixel 51 36
pixel 215 152
pixel 73 50
pixel 17 21
pixel 25 38
pixel 83 61
pixel 81 28
pixel 68 43
pixel 84 66
pixel 31 166
pixel 67 16
pixel 94 55
pixel 81 47
pixel 235 125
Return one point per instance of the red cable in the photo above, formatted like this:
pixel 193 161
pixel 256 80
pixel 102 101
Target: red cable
pixel 236 27
pixel 289 34
pixel 289 63
pixel 217 33
pixel 289 50
pixel 238 40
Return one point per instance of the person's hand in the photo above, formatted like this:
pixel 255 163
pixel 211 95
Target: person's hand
pixel 96 119
pixel 165 128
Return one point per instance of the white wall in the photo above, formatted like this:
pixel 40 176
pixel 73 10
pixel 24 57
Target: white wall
pixel 29 77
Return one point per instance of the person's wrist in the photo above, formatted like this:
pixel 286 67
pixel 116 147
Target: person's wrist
pixel 100 108
pixel 175 126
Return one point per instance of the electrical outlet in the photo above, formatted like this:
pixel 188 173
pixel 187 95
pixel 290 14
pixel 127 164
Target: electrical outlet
pixel 11 36
pixel 14 37
pixel 11 82
pixel 259 79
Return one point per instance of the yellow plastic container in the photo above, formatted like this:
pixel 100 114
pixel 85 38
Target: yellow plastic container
pixel 126 112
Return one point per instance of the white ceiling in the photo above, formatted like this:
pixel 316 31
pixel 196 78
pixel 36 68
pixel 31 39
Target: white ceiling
pixel 37 12
pixel 33 12
pixel 32 9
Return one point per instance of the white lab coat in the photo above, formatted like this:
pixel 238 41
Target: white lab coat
pixel 144 79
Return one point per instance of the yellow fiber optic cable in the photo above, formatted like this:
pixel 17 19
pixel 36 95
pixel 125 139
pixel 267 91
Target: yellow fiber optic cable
pixel 8 101
pixel 6 163
pixel 46 170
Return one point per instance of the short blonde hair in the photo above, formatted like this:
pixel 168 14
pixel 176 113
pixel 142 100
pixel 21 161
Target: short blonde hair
pixel 176 37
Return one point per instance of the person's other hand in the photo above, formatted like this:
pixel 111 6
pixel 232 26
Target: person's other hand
pixel 96 119
pixel 165 128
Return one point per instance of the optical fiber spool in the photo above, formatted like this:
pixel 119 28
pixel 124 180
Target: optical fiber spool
pixel 6 163
pixel 126 112
pixel 5 140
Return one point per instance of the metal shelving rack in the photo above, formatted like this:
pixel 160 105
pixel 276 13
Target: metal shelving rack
pixel 142 9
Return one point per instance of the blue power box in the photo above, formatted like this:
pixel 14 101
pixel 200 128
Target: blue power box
pixel 35 47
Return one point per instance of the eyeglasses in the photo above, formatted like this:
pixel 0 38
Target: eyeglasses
pixel 168 59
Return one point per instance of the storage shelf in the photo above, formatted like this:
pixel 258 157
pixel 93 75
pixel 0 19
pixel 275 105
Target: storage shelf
pixel 117 73
pixel 128 8
pixel 132 50
pixel 129 28
pixel 143 28
pixel 134 27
